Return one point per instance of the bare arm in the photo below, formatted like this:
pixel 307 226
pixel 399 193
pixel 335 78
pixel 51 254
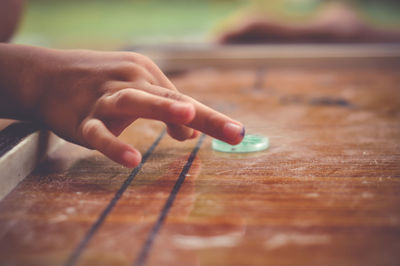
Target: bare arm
pixel 90 97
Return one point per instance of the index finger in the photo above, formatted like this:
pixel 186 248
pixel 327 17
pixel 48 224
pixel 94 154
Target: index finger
pixel 206 120
pixel 217 125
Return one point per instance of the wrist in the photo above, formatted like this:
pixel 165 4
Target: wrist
pixel 19 90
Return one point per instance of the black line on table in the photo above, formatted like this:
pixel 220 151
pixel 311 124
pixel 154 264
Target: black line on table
pixel 90 233
pixel 141 259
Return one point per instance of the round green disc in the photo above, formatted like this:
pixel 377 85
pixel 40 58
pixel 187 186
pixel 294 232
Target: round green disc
pixel 250 143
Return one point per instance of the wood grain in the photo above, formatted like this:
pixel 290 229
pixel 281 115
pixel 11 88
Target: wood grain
pixel 327 191
pixel 22 146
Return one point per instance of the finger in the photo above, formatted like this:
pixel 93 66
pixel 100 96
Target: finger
pixel 151 67
pixel 217 125
pixel 161 78
pixel 133 103
pixel 176 131
pixel 206 119
pixel 136 72
pixel 195 134
pixel 179 132
pixel 124 67
pixel 97 136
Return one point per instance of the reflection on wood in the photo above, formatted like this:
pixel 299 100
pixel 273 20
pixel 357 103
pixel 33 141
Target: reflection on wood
pixel 326 192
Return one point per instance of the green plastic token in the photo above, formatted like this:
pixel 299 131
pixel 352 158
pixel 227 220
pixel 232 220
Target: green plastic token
pixel 250 143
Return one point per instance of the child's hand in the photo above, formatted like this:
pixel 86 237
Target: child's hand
pixel 90 97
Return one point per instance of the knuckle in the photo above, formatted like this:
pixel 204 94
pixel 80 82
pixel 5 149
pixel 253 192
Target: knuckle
pixel 129 56
pixel 153 72
pixel 90 130
pixel 146 62
pixel 134 68
pixel 122 98
pixel 174 95
pixel 131 71
pixel 140 59
pixel 102 102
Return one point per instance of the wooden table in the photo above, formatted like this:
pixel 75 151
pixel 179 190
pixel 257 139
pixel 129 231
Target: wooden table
pixel 326 192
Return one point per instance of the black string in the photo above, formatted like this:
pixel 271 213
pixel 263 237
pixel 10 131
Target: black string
pixel 95 227
pixel 141 259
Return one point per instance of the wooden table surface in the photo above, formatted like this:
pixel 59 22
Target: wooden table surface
pixel 326 192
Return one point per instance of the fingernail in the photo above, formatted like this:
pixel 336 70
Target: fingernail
pixel 233 131
pixel 243 132
pixel 179 108
pixel 130 159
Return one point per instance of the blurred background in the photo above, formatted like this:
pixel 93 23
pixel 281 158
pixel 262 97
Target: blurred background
pixel 113 24
pixel 110 24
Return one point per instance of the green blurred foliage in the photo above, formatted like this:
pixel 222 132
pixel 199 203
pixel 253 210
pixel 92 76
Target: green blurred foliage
pixel 106 24
pixel 111 24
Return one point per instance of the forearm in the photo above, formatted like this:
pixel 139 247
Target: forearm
pixel 18 91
